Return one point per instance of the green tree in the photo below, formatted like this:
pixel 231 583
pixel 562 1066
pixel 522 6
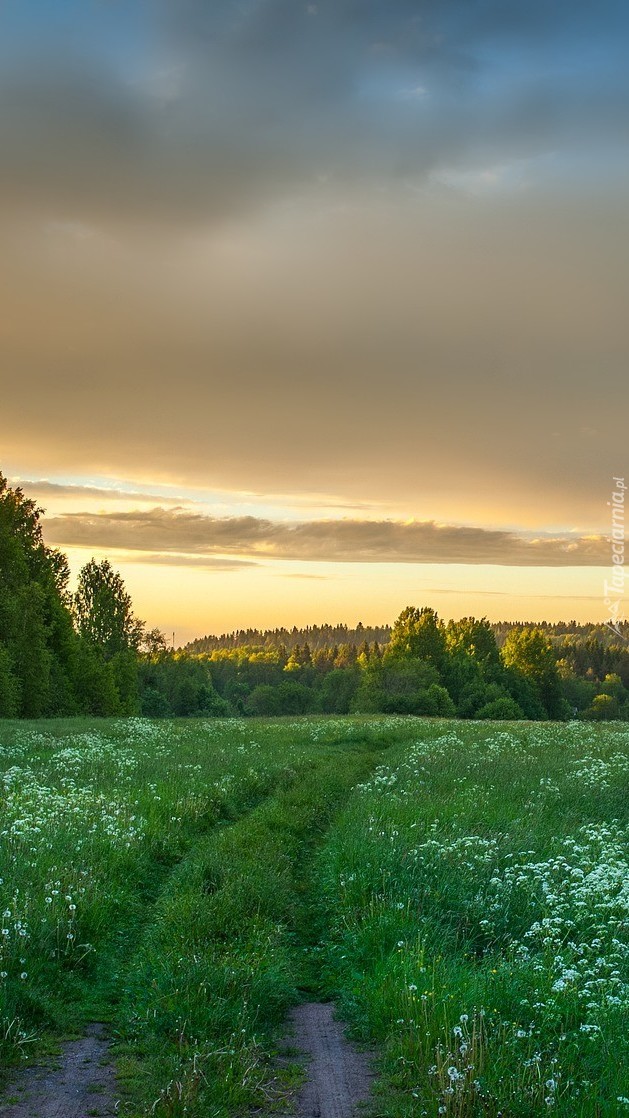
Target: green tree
pixel 402 686
pixel 263 700
pixel 9 687
pixel 418 634
pixel 95 683
pixel 530 653
pixel 176 684
pixel 612 702
pixel 36 630
pixel 475 637
pixel 337 690
pixel 577 692
pixel 614 686
pixel 295 698
pixel 604 708
pixel 286 698
pixel 104 611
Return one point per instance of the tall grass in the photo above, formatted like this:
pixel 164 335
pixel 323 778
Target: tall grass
pixel 477 891
pixel 464 896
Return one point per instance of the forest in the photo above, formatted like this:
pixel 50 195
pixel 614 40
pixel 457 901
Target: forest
pixel 85 652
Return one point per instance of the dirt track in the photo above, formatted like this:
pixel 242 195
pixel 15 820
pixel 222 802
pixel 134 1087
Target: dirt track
pixel 81 1085
pixel 339 1076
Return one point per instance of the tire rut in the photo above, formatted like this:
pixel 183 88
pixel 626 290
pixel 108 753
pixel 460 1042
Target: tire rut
pixel 339 1076
pixel 82 1084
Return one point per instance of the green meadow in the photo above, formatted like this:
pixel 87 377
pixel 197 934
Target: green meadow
pixel 460 890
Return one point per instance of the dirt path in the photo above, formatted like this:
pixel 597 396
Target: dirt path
pixel 339 1076
pixel 80 1085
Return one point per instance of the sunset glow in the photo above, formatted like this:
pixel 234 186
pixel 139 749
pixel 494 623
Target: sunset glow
pixel 310 311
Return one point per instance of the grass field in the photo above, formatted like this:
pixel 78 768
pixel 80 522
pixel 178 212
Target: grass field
pixel 461 890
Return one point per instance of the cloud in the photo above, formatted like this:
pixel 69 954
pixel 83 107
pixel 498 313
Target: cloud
pixel 175 559
pixel 53 489
pixel 177 533
pixel 228 106
pixel 301 575
pixel 440 360
pixel 234 257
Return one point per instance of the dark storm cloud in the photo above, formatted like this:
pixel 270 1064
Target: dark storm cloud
pixel 341 541
pixel 234 104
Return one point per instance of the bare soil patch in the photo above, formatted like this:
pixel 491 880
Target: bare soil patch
pixel 339 1076
pixel 80 1085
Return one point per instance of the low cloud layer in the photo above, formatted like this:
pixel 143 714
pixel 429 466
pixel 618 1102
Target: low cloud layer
pixel 192 538
pixel 42 490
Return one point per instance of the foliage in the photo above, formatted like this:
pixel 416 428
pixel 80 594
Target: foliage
pixel 338 690
pixel 177 685
pixel 37 641
pixel 402 686
pixel 104 611
pixel 418 634
pixel 529 653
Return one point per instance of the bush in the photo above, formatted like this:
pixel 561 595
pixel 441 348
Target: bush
pixel 337 691
pixel 502 709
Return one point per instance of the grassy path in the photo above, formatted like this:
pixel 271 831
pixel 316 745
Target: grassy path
pixel 220 964
pixel 150 866
pixel 206 952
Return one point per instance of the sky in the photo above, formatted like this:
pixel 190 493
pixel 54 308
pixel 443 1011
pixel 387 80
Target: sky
pixel 311 311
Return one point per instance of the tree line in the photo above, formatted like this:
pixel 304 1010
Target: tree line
pixel 317 637
pixel 324 636
pixel 64 653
